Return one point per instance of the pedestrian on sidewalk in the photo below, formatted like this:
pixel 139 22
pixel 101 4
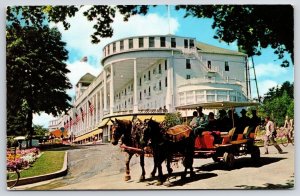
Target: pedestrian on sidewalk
pixel 269 136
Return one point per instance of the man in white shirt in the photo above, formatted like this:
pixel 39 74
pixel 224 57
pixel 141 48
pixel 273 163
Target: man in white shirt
pixel 269 136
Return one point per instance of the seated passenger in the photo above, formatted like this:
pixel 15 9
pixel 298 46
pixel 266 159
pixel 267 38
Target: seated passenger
pixel 212 123
pixel 242 122
pixel 223 123
pixel 193 123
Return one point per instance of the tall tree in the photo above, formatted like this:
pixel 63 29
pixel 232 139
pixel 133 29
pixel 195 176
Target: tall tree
pixel 36 73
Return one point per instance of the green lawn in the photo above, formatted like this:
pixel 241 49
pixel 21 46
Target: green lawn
pixel 49 162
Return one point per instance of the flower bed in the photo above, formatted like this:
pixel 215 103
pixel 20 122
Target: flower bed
pixel 21 159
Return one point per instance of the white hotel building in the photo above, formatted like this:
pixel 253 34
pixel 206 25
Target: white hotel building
pixel 145 74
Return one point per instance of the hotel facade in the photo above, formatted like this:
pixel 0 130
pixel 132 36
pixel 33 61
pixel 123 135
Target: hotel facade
pixel 147 75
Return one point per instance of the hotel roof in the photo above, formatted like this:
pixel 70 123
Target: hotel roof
pixel 206 48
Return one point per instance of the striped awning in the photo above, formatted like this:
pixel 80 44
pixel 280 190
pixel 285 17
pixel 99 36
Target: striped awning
pixel 90 134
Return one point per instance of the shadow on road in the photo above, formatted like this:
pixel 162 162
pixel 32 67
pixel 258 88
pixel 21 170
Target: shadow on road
pixel 176 180
pixel 239 163
pixel 289 185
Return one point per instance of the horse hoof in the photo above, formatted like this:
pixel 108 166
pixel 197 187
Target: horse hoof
pixel 158 183
pixel 142 178
pixel 127 178
pixel 183 176
pixel 152 175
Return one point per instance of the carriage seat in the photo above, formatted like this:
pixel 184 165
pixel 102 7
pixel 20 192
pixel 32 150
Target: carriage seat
pixel 205 141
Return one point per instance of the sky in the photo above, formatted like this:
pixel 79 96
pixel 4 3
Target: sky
pixel 267 66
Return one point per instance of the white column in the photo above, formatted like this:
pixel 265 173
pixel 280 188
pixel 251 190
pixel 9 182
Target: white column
pixel 111 100
pixel 96 108
pixel 169 95
pixel 105 92
pixel 100 107
pixel 135 101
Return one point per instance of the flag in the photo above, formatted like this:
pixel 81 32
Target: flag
pixel 82 114
pixel 67 124
pixel 77 119
pixel 71 122
pixel 91 107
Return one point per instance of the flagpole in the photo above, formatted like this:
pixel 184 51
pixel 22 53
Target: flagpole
pixel 169 19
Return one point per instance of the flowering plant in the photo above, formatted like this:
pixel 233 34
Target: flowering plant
pixel 21 159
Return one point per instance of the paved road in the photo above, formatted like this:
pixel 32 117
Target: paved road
pixel 102 167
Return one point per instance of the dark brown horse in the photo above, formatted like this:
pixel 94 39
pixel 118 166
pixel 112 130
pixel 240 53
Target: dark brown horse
pixel 130 136
pixel 165 147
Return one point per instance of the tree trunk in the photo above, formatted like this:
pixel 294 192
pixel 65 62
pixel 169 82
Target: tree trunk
pixel 29 126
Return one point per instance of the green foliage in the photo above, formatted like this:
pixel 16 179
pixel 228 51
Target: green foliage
pixel 36 75
pixel 278 105
pixel 172 119
pixel 49 162
pixel 39 130
pixel 253 26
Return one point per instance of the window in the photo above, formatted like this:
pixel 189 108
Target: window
pixel 130 43
pixel 159 68
pixel 141 42
pixel 149 90
pixel 125 92
pixel 162 42
pixel 108 49
pixel 149 75
pixel 186 43
pixel 121 45
pixel 114 47
pixel 166 81
pixel 145 77
pixel 173 43
pixel 209 64
pixel 154 71
pixel 159 85
pixel 140 81
pixel 166 64
pixel 188 77
pixel 140 95
pixel 226 66
pixel 188 63
pixel 192 45
pixel 151 41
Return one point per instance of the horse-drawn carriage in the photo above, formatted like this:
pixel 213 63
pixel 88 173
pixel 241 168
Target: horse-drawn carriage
pixel 180 141
pixel 225 146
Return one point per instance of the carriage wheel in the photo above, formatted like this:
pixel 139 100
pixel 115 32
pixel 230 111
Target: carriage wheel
pixel 228 160
pixel 255 154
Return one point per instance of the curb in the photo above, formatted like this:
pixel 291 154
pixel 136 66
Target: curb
pixel 35 179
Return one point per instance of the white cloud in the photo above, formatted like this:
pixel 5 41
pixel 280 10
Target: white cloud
pixel 42 119
pixel 263 87
pixel 78 35
pixel 269 70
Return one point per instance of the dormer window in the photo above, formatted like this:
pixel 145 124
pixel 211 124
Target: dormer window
pixel 173 42
pixel 186 43
pixel 141 42
pixel 192 45
pixel 151 41
pixel 121 45
pixel 162 42
pixel 130 43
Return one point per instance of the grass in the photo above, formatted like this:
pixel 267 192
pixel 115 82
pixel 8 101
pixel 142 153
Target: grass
pixel 49 162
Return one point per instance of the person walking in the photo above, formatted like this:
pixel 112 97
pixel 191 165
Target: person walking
pixel 288 128
pixel 269 136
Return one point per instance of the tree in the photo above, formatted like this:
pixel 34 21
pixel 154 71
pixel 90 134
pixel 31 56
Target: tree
pixel 36 73
pixel 39 130
pixel 252 26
